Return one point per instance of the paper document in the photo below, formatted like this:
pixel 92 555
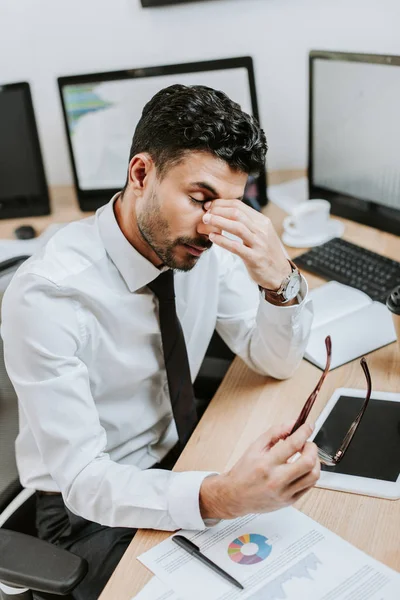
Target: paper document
pixel 356 324
pixel 155 590
pixel 282 555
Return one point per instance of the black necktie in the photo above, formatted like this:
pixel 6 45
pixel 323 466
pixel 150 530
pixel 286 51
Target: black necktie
pixel 175 357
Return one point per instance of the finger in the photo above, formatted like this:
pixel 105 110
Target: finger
pixel 235 227
pixel 273 435
pixel 302 467
pixel 206 229
pixel 294 443
pixel 306 481
pixel 260 221
pixel 233 213
pixel 233 246
pixel 233 203
pixel 299 495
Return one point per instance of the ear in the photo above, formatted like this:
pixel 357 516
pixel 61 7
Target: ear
pixel 140 168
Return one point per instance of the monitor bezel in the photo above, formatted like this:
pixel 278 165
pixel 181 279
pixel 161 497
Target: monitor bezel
pixel 157 3
pixel 343 205
pixel 90 200
pixel 40 203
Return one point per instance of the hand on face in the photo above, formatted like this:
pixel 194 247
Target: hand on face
pixel 261 250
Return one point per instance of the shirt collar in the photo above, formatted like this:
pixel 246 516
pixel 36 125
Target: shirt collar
pixel 135 269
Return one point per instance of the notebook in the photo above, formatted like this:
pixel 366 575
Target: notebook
pixel 357 325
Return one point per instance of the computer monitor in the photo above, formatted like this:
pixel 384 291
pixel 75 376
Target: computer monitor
pixel 23 187
pixel 101 111
pixel 354 133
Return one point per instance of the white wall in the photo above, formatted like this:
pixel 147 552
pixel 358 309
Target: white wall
pixel 43 39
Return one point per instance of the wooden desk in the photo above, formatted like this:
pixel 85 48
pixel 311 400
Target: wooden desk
pixel 247 403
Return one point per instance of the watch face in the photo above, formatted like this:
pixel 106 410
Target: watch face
pixel 292 288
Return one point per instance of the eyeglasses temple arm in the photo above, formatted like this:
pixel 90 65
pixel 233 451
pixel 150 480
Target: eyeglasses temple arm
pixel 311 399
pixel 353 428
pixel 305 411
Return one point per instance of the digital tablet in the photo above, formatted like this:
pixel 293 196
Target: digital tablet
pixel 371 465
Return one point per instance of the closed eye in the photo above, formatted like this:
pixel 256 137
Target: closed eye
pixel 197 202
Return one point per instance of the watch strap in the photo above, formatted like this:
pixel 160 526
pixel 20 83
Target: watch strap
pixel 277 295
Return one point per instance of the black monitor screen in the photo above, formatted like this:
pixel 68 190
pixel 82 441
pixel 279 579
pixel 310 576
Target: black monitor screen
pixel 23 189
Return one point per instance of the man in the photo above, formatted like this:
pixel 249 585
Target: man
pixel 97 357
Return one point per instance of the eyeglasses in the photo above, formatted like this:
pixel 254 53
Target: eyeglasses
pixel 333 459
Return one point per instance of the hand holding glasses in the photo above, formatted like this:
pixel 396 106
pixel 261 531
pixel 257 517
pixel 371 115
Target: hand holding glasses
pixel 333 459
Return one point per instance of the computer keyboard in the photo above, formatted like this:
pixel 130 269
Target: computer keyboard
pixel 347 263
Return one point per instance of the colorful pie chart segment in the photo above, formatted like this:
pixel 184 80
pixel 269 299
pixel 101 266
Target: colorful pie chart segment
pixel 249 549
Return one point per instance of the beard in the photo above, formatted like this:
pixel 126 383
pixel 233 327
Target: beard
pixel 155 230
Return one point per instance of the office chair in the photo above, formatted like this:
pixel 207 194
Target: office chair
pixel 29 567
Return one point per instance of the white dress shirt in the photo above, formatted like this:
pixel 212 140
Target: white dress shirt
pixel 83 350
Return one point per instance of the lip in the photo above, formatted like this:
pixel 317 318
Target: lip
pixel 195 250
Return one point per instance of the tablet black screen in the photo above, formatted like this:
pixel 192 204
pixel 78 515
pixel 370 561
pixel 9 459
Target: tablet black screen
pixel 375 449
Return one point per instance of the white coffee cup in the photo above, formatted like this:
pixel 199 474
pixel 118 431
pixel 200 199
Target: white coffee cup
pixel 308 218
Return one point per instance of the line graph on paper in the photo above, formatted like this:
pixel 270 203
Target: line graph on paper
pixel 274 590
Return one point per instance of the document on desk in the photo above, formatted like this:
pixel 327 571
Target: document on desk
pixel 155 590
pixel 282 555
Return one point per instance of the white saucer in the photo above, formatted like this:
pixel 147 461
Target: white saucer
pixel 290 238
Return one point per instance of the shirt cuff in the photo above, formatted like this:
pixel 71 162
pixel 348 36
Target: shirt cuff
pixel 286 314
pixel 183 499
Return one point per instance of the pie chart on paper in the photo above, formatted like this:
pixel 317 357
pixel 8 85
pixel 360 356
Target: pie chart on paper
pixel 249 549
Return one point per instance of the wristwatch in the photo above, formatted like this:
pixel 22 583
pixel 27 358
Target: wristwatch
pixel 288 289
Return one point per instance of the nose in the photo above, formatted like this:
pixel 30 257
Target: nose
pixel 205 230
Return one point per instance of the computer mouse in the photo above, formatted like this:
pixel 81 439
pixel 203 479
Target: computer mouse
pixel 25 232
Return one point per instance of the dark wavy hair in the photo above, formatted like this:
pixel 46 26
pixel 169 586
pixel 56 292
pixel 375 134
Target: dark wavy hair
pixel 181 119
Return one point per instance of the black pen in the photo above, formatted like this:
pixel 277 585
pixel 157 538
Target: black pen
pixel 195 552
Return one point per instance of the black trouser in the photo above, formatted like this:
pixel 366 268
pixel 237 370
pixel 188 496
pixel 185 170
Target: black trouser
pixel 101 546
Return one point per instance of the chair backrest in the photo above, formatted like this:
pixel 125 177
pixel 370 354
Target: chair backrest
pixel 9 481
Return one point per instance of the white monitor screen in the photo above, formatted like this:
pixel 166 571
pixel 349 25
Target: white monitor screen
pixel 102 117
pixel 356 130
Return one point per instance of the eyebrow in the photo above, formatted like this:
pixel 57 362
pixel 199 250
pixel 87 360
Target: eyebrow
pixel 209 188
